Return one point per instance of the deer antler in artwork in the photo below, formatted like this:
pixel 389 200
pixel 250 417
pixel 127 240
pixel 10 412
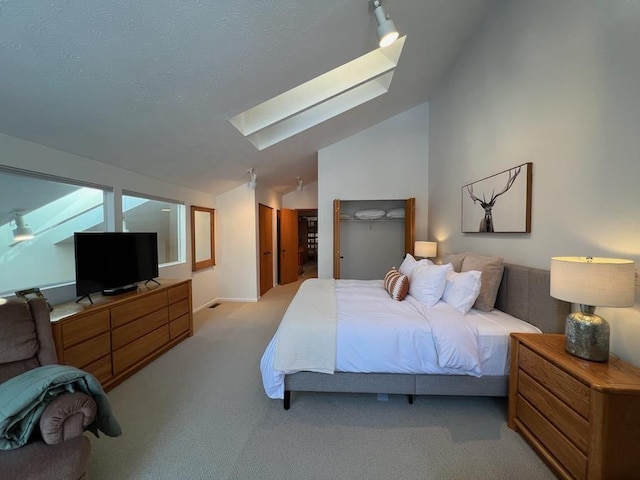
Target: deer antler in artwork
pixel 486 224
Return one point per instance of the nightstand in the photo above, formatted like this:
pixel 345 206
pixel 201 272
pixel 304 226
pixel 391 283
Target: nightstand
pixel 581 417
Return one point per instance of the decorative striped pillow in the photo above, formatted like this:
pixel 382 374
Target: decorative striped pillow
pixel 396 284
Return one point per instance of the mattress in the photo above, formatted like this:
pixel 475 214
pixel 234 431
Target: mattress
pixel 376 334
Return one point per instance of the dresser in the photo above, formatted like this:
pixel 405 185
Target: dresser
pixel 116 336
pixel 581 417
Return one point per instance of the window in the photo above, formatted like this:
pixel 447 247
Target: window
pixel 51 209
pixel 166 217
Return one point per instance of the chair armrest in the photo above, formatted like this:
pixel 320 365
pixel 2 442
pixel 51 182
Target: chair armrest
pixel 67 416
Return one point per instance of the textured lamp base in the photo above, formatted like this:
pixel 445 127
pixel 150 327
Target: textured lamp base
pixel 587 336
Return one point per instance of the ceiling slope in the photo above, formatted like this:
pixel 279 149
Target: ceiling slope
pixel 150 86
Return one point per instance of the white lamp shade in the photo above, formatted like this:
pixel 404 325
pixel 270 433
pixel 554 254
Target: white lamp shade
pixel 593 281
pixel 425 249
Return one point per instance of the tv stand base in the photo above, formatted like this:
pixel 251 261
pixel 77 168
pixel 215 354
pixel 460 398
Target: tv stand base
pixel 120 290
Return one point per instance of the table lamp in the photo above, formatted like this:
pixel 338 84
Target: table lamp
pixel 591 282
pixel 425 249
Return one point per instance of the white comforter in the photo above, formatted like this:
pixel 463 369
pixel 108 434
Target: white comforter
pixel 375 333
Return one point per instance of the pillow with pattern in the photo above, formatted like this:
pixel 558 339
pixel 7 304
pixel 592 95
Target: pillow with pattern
pixel 396 284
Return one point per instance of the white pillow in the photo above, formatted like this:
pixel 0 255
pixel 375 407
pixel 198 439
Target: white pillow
pixel 369 214
pixel 462 289
pixel 396 213
pixel 409 263
pixel 427 282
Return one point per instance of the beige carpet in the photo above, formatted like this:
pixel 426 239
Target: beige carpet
pixel 199 412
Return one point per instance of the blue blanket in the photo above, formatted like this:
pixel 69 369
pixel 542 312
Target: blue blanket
pixel 24 398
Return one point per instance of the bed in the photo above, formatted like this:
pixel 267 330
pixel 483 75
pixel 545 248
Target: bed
pixel 523 294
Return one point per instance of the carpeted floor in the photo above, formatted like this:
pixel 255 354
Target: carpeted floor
pixel 199 412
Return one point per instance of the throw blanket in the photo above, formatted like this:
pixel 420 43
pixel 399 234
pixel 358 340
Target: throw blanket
pixel 24 398
pixel 306 337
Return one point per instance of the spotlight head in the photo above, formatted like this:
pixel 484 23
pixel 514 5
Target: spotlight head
pixel 253 178
pixel 387 31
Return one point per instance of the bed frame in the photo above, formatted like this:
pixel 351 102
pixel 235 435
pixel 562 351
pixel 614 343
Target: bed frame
pixel 524 294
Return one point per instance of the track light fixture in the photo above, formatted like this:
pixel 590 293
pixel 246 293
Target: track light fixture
pixel 253 178
pixel 22 231
pixel 387 32
pixel 300 183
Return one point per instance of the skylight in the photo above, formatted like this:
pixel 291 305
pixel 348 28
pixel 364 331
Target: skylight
pixel 321 98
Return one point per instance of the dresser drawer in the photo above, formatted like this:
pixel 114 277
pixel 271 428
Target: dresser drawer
pixel 127 312
pixel 178 292
pixel 137 328
pixel 554 442
pixel 84 327
pixel 572 425
pixel 178 309
pixel 132 353
pixel 101 368
pixel 571 391
pixel 179 326
pixel 85 353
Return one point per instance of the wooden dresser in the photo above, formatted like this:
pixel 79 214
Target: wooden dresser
pixel 582 417
pixel 117 336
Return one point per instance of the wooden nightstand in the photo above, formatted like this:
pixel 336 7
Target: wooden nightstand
pixel 582 417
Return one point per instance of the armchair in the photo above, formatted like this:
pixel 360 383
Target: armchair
pixel 58 449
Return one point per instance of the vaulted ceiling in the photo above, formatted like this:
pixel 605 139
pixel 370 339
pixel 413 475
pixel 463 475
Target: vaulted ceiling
pixel 150 85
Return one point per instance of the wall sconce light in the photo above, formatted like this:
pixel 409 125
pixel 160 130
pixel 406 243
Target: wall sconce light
pixel 300 184
pixel 425 249
pixel 591 282
pixel 22 231
pixel 387 32
pixel 253 178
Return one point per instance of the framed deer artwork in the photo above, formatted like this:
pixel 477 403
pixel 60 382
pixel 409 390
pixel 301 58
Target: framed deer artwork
pixel 500 203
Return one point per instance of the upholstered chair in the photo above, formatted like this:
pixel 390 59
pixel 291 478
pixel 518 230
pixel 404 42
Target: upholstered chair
pixel 58 449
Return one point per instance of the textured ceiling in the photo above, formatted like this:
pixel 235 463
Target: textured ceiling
pixel 150 85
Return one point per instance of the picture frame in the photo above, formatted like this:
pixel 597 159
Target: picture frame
pixel 202 238
pixel 500 203
pixel 32 293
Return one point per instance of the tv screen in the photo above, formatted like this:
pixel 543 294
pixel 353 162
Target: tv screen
pixel 113 262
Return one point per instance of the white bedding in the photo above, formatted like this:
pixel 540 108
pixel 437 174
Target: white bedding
pixel 378 334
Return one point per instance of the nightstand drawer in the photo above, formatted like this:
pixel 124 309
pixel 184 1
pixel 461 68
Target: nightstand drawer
pixel 572 425
pixel 564 386
pixel 555 443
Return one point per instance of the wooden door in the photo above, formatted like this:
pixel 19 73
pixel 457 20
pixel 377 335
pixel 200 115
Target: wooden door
pixel 288 246
pixel 336 239
pixel 409 225
pixel 265 227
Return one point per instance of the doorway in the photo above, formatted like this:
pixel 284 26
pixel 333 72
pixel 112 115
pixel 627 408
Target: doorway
pixel 308 239
pixel 265 228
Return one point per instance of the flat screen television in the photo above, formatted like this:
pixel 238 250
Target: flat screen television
pixel 114 262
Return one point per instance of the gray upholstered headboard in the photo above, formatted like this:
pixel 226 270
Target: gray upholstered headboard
pixel 524 293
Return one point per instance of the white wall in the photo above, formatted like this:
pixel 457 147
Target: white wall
pixel 306 199
pixel 37 158
pixel 236 236
pixel 554 83
pixel 388 161
pixel 238 241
